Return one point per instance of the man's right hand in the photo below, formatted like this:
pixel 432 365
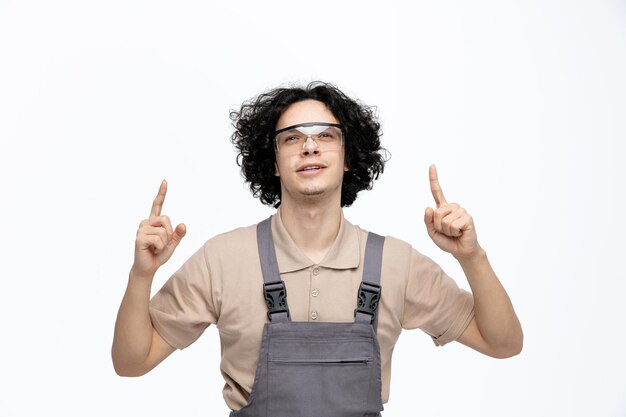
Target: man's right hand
pixel 156 240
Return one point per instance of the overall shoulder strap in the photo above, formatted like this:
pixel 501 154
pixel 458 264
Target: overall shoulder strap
pixel 369 290
pixel 273 287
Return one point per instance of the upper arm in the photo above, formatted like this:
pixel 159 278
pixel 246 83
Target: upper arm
pixel 183 307
pixel 434 302
pixel 473 338
pixel 159 350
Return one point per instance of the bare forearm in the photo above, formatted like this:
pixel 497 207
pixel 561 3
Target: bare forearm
pixel 493 310
pixel 133 327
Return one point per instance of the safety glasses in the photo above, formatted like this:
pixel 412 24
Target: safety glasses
pixel 291 139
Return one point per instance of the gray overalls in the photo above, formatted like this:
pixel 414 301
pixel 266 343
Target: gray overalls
pixel 310 369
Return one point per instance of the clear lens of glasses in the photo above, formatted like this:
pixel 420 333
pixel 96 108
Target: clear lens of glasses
pixel 327 137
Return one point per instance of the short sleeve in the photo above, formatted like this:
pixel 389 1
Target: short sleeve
pixel 434 302
pixel 182 309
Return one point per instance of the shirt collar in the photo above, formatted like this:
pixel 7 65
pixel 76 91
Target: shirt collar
pixel 343 254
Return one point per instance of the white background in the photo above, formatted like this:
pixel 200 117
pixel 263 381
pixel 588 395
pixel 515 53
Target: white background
pixel 521 105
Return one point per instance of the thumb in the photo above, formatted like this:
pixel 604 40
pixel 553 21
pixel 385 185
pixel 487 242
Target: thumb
pixel 429 219
pixel 177 236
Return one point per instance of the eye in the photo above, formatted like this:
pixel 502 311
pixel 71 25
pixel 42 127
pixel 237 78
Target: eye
pixel 327 135
pixel 289 138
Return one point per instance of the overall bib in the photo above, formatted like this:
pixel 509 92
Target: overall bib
pixel 308 369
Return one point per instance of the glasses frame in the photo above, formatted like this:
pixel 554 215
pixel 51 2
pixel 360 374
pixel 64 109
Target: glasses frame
pixel 275 133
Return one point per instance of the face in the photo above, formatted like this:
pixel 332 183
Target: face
pixel 297 178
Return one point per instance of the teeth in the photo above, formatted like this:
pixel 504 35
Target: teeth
pixel 310 168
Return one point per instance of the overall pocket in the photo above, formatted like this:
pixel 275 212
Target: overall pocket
pixel 319 387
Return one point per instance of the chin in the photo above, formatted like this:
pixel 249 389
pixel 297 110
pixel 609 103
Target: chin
pixel 318 190
pixel 313 192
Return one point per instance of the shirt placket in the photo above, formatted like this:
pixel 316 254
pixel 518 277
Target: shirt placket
pixel 314 293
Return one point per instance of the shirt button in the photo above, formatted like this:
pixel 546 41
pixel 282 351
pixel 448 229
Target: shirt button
pixel 314 315
pixel 316 271
pixel 315 292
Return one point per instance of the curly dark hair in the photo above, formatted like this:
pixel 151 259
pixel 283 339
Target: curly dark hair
pixel 257 119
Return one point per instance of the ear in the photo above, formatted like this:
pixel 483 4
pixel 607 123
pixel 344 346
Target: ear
pixel 276 172
pixel 345 167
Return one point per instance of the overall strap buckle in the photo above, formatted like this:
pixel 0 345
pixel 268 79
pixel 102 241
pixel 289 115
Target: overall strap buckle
pixel 367 300
pixel 276 298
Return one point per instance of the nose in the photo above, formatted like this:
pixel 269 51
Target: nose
pixel 309 146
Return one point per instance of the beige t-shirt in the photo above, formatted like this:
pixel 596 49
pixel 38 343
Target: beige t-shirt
pixel 222 284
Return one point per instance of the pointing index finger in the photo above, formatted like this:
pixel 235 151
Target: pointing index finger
pixel 435 188
pixel 157 204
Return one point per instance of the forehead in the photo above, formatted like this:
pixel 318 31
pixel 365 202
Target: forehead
pixel 305 111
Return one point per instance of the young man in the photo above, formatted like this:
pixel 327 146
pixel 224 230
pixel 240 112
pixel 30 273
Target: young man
pixel 308 152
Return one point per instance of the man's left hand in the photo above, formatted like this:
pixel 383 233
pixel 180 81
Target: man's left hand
pixel 450 226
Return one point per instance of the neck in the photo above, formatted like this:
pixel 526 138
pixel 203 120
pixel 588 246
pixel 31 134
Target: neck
pixel 313 227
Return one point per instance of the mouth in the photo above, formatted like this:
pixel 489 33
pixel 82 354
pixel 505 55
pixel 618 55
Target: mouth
pixel 311 168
